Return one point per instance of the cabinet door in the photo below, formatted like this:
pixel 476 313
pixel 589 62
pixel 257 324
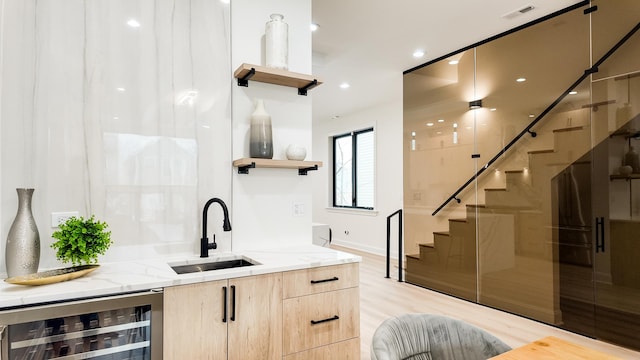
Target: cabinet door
pixel 193 327
pixel 255 318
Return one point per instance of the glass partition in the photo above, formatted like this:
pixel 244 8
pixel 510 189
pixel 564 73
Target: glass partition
pixel 439 132
pixel 616 193
pixel 525 77
pixel 545 172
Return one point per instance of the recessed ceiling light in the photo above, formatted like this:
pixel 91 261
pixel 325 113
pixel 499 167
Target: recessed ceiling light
pixel 573 92
pixel 121 89
pixel 314 26
pixel 133 23
pixel 493 109
pixel 335 117
pixel 440 120
pixel 344 85
pixel 521 79
pixel 429 124
pixel 532 115
pixel 418 53
pixel 453 62
pixel 225 1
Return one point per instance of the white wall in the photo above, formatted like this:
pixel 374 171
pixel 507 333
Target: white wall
pixel 145 159
pixel 360 229
pixel 263 199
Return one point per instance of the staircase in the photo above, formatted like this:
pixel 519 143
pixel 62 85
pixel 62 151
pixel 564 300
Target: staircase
pixel 514 234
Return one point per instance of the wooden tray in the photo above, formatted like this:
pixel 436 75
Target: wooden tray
pixel 52 276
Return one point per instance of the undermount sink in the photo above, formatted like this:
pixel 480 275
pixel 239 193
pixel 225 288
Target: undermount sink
pixel 218 264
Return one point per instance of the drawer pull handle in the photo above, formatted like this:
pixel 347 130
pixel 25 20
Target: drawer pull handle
pixel 335 278
pixel 314 322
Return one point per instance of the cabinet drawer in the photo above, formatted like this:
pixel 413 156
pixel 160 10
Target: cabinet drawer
pixel 320 319
pixel 320 279
pixel 344 350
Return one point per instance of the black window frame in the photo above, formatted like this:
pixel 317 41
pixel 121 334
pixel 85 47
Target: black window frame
pixel 354 167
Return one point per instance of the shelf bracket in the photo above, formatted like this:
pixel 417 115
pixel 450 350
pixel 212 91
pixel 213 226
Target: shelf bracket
pixel 303 90
pixel 245 169
pixel 244 81
pixel 304 171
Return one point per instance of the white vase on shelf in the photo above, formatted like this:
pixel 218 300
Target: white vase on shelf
pixel 277 43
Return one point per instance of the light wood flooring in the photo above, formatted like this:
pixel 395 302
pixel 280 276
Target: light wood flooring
pixel 381 298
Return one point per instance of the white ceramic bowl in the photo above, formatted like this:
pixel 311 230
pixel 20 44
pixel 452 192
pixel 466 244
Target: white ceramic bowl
pixel 296 152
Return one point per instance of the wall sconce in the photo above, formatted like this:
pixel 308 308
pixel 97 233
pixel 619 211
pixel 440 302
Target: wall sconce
pixel 475 104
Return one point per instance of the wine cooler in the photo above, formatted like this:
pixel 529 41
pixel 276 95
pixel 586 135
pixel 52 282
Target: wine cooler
pixel 124 327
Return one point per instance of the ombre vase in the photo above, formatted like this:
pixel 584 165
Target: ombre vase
pixel 260 140
pixel 22 250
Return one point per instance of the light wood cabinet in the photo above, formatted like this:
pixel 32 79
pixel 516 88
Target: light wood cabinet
pixel 229 319
pixel 321 310
pixel 192 321
pixel 255 331
pixel 310 314
pixel 343 350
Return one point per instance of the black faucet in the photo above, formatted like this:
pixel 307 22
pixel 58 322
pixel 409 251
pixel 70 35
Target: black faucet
pixel 226 226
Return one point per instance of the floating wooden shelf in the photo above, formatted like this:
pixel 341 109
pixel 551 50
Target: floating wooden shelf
pixel 303 167
pixel 628 134
pixel 302 82
pixel 625 177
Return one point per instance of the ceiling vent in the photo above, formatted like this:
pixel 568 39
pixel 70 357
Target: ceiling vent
pixel 515 13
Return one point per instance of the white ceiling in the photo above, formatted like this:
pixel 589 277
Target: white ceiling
pixel 369 43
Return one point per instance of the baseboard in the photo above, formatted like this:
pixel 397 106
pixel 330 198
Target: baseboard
pixel 364 248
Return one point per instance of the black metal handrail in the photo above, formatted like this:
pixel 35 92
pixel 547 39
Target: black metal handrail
pixel 399 213
pixel 527 130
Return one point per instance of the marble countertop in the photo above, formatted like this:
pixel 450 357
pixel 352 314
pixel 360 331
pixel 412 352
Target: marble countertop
pixel 131 276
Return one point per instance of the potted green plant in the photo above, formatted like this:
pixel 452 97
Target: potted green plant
pixel 80 241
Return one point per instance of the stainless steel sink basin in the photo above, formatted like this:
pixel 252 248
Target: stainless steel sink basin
pixel 218 264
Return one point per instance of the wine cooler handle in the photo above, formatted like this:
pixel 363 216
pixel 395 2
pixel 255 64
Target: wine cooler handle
pixel 233 303
pixel 224 316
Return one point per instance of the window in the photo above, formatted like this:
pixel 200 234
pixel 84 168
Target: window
pixel 353 165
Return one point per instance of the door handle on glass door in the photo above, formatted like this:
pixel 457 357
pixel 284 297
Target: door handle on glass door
pixel 600 234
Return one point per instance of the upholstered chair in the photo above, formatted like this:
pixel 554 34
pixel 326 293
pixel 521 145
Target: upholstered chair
pixel 433 337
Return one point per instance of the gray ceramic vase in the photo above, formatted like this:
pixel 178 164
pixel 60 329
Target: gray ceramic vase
pixel 22 251
pixel 260 137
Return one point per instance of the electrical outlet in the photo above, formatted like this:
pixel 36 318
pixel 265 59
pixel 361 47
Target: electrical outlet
pixel 58 218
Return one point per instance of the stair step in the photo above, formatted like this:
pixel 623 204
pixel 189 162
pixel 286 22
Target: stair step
pixel 443 233
pixel 495 189
pixel 521 171
pixel 547 151
pixel 413 256
pixel 464 220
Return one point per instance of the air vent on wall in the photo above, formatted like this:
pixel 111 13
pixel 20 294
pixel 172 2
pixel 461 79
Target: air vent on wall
pixel 518 12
